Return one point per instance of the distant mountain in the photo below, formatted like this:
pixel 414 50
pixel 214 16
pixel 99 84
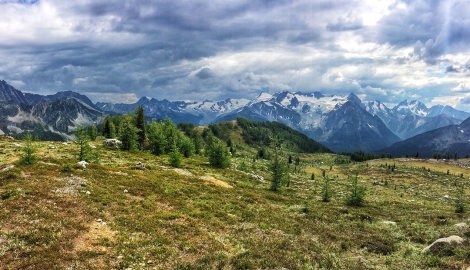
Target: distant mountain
pixel 410 118
pixel 453 138
pixel 10 94
pixel 342 123
pixel 52 117
pixel 34 99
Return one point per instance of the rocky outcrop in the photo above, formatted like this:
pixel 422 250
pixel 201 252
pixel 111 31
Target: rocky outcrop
pixel 444 246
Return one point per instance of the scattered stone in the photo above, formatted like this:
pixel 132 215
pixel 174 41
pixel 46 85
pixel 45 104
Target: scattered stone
pixel 446 196
pixel 8 167
pixel 444 246
pixel 112 143
pixel 140 166
pixel 87 192
pixel 82 163
pixel 126 191
pixel 120 256
pixel 99 220
pixel 16 144
pixel 461 225
pixel 389 222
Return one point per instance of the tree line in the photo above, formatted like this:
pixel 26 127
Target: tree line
pixel 159 138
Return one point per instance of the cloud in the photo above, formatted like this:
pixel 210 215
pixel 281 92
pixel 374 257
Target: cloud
pixel 451 69
pixel 205 73
pixel 178 49
pixel 462 87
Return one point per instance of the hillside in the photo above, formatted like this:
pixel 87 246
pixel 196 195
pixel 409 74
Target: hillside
pixel 453 139
pixel 57 214
pixel 259 134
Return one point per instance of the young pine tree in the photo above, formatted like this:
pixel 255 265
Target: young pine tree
pixel 356 197
pixel 218 155
pixel 82 142
pixel 460 206
pixel 29 149
pixel 92 132
pixel 175 157
pixel 326 190
pixel 278 167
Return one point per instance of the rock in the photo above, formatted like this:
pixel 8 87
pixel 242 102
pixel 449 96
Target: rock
pixel 444 246
pixel 87 192
pixel 112 143
pixel 8 167
pixel 446 196
pixel 389 222
pixel 460 225
pixel 140 166
pixel 126 191
pixel 82 163
pixel 99 220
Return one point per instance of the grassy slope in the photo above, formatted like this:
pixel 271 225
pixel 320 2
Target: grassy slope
pixel 178 219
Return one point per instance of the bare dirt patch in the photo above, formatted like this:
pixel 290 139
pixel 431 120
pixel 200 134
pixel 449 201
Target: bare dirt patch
pixel 216 182
pixel 93 239
pixel 73 185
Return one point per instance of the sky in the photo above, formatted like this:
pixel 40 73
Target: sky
pixel 121 50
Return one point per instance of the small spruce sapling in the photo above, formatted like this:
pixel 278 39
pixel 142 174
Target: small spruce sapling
pixel 175 156
pixel 356 197
pixel 29 149
pixel 460 206
pixel 326 191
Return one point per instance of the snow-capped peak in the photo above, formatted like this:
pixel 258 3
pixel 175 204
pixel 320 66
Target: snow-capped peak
pixel 263 96
pixel 415 107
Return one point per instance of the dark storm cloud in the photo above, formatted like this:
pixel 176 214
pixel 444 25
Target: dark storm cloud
pixel 179 49
pixel 205 73
pixel 451 69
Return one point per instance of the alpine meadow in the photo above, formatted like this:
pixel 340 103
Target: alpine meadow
pixel 238 195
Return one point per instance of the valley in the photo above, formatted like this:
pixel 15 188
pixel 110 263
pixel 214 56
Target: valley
pixel 58 214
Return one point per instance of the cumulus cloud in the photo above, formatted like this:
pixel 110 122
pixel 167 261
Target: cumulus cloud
pixel 462 87
pixel 176 49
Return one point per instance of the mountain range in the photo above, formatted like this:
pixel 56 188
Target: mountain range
pixel 342 123
pixel 52 117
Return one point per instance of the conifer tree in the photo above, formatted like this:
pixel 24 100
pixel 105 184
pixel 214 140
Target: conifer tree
pixel 278 167
pixel 82 142
pixel 92 132
pixel 128 134
pixel 140 125
pixel 175 156
pixel 29 149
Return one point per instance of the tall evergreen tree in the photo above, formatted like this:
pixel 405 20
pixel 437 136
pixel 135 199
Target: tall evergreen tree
pixel 140 125
pixel 156 138
pixel 128 134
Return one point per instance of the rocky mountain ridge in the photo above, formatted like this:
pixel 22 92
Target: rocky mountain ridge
pixel 342 123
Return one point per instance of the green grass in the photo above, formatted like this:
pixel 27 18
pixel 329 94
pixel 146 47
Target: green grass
pixel 171 220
